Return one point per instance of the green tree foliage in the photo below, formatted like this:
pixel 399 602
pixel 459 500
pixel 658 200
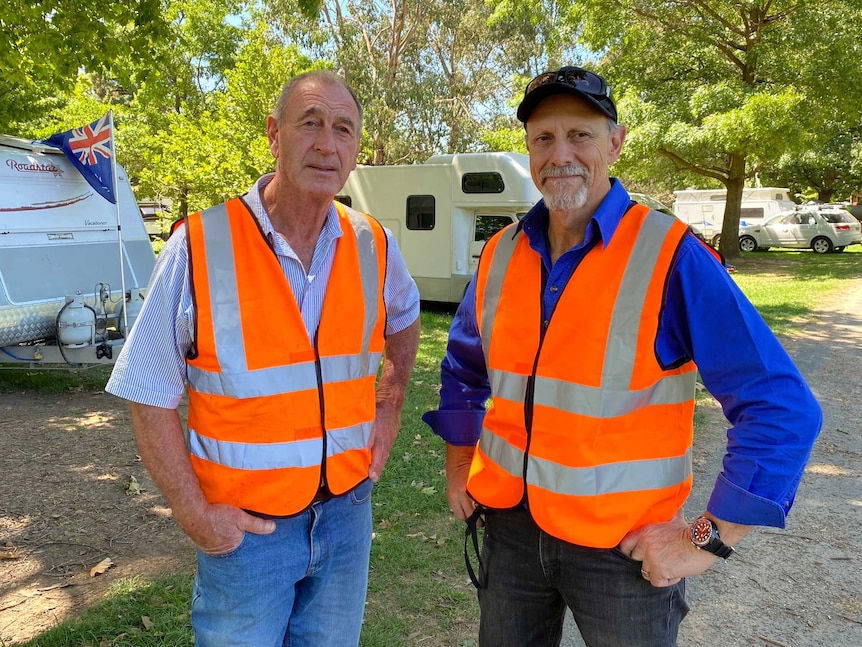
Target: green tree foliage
pixel 46 43
pixel 433 75
pixel 830 172
pixel 722 88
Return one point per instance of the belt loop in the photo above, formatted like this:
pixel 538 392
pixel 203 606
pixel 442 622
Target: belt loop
pixel 472 531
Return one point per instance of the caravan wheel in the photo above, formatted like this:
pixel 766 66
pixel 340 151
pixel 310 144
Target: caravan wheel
pixel 715 241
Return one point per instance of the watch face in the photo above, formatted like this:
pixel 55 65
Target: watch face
pixel 701 531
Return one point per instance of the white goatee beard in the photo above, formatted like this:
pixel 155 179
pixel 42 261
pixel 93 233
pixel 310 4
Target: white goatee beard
pixel 563 199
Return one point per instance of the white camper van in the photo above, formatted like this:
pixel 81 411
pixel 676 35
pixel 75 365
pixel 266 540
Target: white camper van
pixel 443 211
pixel 69 290
pixel 704 208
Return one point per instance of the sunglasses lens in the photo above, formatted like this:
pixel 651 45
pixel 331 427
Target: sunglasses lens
pixel 581 79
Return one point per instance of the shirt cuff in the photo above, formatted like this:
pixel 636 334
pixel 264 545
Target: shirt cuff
pixel 456 426
pixel 732 503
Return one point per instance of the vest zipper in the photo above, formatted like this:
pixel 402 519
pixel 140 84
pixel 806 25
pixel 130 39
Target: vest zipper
pixel 318 369
pixel 530 394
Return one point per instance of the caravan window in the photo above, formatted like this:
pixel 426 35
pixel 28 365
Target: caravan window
pixel 490 182
pixel 487 226
pixel 345 200
pixel 750 212
pixel 420 212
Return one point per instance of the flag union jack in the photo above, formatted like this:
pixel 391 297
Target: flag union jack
pixel 92 140
pixel 89 148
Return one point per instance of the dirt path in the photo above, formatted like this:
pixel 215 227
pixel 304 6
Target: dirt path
pixel 800 587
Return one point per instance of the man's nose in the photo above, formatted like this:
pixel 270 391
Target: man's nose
pixel 325 140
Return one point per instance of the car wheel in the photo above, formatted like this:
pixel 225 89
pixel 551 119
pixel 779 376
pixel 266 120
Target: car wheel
pixel 838 249
pixel 715 241
pixel 747 244
pixel 821 245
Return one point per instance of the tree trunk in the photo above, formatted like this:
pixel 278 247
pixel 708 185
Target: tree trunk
pixel 729 243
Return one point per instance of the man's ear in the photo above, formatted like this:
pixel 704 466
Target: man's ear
pixel 615 143
pixel 272 134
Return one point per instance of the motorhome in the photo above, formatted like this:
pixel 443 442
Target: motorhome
pixel 704 208
pixel 73 267
pixel 443 211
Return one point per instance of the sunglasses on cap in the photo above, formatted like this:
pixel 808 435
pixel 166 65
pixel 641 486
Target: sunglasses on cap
pixel 580 79
pixel 576 80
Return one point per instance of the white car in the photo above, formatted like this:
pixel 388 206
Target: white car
pixel 822 230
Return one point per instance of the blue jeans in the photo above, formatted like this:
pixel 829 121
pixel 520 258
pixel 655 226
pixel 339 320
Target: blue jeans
pixel 532 577
pixel 302 586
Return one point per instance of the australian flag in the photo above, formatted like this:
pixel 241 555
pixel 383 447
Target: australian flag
pixel 89 148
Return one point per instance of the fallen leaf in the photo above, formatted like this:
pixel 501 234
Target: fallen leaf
pixel 146 622
pixel 101 567
pixel 131 485
pixel 9 554
pixel 429 490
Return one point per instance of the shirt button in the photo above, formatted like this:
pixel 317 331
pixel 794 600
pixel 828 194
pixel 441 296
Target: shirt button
pixel 554 288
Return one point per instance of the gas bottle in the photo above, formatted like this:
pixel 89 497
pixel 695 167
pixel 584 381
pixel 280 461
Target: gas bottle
pixel 76 323
pixel 130 310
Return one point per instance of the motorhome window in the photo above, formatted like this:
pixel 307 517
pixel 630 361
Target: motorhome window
pixel 420 212
pixel 750 212
pixel 346 200
pixel 718 197
pixel 487 226
pixel 491 182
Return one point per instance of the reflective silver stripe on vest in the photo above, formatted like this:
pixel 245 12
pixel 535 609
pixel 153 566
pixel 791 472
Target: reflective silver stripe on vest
pixel 348 438
pixel 629 306
pixel 235 379
pixel 589 400
pixel 627 476
pixel 267 456
pixel 494 284
pixel 282 379
pixel 227 323
pixel 612 399
pixel 370 287
pixel 256 456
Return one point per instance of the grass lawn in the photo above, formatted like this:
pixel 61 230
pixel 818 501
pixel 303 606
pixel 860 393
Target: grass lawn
pixel 419 592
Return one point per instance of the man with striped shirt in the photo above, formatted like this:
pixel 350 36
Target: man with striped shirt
pixel 273 312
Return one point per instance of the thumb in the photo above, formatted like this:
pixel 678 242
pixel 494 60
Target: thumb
pixel 257 526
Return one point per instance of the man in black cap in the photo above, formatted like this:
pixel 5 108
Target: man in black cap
pixel 586 324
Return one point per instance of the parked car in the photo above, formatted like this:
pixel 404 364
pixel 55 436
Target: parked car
pixel 823 230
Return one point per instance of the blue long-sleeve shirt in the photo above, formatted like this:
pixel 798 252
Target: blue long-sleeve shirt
pixel 774 416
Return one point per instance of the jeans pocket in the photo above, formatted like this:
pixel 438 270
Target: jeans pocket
pixel 362 492
pixel 619 553
pixel 228 553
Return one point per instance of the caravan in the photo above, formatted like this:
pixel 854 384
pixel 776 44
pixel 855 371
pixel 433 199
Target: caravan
pixel 704 208
pixel 70 287
pixel 442 212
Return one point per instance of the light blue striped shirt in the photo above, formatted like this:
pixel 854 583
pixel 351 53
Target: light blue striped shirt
pixel 151 368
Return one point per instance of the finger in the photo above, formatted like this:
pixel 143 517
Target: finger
pixel 256 525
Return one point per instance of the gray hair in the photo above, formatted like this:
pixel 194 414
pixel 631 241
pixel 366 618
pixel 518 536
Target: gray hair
pixel 324 76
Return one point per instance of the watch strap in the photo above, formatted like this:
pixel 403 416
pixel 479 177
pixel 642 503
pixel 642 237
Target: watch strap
pixel 719 548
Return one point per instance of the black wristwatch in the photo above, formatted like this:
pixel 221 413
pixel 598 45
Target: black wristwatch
pixel 704 535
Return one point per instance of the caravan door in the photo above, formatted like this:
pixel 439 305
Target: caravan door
pixel 485 225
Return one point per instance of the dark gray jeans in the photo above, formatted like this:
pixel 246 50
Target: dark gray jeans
pixel 531 577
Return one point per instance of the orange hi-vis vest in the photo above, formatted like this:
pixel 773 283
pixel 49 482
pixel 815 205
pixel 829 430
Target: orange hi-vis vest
pixel 584 424
pixel 273 415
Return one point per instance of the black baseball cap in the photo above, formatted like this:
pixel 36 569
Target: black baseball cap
pixel 568 80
